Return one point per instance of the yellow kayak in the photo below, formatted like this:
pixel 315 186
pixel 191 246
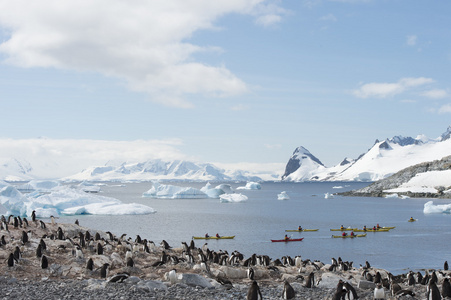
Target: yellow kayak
pixel 302 230
pixel 344 229
pixel 372 230
pixel 349 236
pixel 213 237
pixel 412 220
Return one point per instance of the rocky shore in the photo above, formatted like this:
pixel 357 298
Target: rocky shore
pixel 68 261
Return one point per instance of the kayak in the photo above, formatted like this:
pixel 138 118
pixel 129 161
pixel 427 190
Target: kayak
pixel 289 240
pixel 372 230
pixel 349 236
pixel 303 230
pixel 412 220
pixel 213 237
pixel 344 229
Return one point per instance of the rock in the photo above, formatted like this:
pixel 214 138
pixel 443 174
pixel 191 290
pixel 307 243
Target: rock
pixel 195 280
pixel 364 284
pixel 234 273
pixel 153 285
pixel 329 280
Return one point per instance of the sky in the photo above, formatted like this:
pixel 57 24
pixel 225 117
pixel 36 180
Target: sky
pixel 227 81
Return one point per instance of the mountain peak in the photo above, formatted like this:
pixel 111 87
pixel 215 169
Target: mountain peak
pixel 446 135
pixel 301 157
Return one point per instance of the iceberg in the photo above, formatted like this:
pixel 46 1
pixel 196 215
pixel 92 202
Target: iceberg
pixel 64 200
pixel 250 186
pixel 283 196
pixel 162 191
pixel 430 208
pixel 212 192
pixel 226 198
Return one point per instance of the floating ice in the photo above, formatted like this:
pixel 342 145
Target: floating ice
pixel 250 186
pixel 392 196
pixel 89 187
pixel 64 200
pixel 225 198
pixel 212 192
pixel 328 195
pixel 36 185
pixel 283 196
pixel 173 192
pixel 430 208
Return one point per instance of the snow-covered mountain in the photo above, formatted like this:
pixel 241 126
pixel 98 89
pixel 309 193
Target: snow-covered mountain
pixel 161 170
pixel 383 159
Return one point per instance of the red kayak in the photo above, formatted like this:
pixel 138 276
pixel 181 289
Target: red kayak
pixel 288 240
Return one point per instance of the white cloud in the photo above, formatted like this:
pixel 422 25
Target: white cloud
pixel 144 43
pixel 68 156
pixel 329 17
pixel 383 90
pixel 436 94
pixel 445 109
pixel 411 40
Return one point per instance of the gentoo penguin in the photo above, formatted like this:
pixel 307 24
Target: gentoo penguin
pixel 410 278
pixel 165 245
pixel 128 255
pixel 87 236
pixel 16 222
pixel 310 283
pixel 432 291
pixel 11 260
pixel 42 224
pixel 250 273
pixel 33 216
pixel 340 291
pixel 99 249
pixel 97 236
pixel 44 262
pixel 445 266
pixel 104 270
pixel 52 218
pixel 17 253
pixel 130 262
pixel 24 237
pixel 379 292
pixel 288 291
pixel 446 288
pixel 25 221
pixel 119 277
pixel 254 292
pixel 90 264
pixel 78 252
pixel 39 251
pixel 60 234
pixel 77 223
pixel 2 240
pixel 352 294
pixel 43 244
pixel 394 287
pixel 377 278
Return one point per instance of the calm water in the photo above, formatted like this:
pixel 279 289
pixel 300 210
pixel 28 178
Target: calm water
pixel 417 245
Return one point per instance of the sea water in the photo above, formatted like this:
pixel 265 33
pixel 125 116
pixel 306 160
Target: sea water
pixel 410 246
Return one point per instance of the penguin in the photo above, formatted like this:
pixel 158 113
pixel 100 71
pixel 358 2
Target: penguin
pixel 110 235
pixel 3 241
pixel 191 245
pixel 60 234
pixel 52 218
pixel 446 288
pixel 33 216
pixel 172 276
pixel 434 277
pixel 11 260
pixel 25 221
pixel 104 270
pixel 379 292
pixel 90 264
pixel 24 237
pixel 97 236
pixel 17 254
pixel 39 251
pixel 445 266
pixel 138 239
pixel 419 278
pixel 20 221
pixel 250 273
pixel 16 222
pixel 119 277
pixel 404 293
pixel 165 245
pixel 254 292
pixel 340 291
pixel 130 262
pixel 288 291
pixel 42 224
pixel 377 278
pixel 394 287
pixel 78 252
pixel 87 236
pixel 99 249
pixel 44 262
pixel 43 244
pixel 410 278
pixel 81 237
pixel 77 223
pixel 351 291
pixel 310 283
pixel 433 292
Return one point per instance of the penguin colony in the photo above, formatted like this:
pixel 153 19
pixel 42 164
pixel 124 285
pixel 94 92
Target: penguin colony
pixel 36 249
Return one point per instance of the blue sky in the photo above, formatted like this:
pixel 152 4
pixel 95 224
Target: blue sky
pixel 229 81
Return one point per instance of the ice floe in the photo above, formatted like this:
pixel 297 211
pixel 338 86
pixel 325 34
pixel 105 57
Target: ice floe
pixel 250 186
pixel 226 198
pixel 283 196
pixel 167 191
pixel 430 208
pixel 52 199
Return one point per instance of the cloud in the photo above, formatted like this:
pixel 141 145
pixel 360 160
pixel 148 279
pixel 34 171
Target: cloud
pixel 383 90
pixel 144 43
pixel 411 40
pixel 329 17
pixel 436 94
pixel 445 109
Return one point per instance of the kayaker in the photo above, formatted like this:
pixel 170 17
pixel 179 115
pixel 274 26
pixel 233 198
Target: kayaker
pixel 217 235
pixel 411 219
pixel 378 227
pixel 207 236
pixel 300 228
pixel 344 233
pixel 364 228
pixel 286 237
pixel 341 227
pixel 352 233
pixel 374 228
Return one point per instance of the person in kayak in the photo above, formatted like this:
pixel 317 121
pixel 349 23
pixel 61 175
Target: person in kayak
pixel 299 228
pixel 377 226
pixel 374 228
pixel 341 227
pixel 217 235
pixel 412 219
pixel 352 233
pixel 364 228
pixel 286 238
pixel 207 236
pixel 344 233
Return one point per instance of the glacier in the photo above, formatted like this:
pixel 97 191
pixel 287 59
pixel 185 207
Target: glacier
pixel 54 199
pixel 250 186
